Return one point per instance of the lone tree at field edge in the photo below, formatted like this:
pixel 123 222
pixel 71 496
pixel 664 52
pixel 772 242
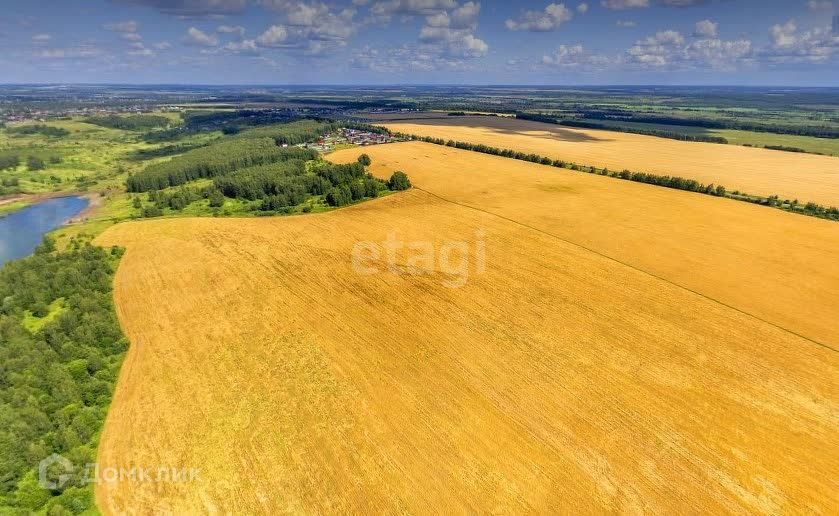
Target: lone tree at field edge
pixel 399 181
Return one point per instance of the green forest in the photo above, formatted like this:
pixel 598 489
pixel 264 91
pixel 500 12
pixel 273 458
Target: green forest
pixel 129 122
pixel 261 164
pixel 60 349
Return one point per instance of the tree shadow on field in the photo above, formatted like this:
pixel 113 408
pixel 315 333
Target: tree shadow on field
pixel 505 126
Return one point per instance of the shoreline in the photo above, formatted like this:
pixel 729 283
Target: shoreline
pixel 25 200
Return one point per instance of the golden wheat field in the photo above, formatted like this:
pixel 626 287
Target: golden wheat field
pixel 775 265
pixel 552 378
pixel 806 177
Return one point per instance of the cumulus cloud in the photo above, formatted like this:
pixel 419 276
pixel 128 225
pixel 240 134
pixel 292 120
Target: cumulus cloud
pixel 455 42
pixel 200 38
pixel 246 47
pixel 274 36
pixel 313 28
pixel 582 8
pixel 466 15
pixel 131 36
pixel 668 50
pixel 41 38
pixel 451 34
pixel 705 29
pixel 548 19
pixel 789 45
pixel 236 30
pixel 783 35
pixel 140 50
pixel 820 5
pixel 191 8
pixel 626 23
pixel 575 57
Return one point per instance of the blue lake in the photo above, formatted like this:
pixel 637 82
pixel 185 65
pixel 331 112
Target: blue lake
pixel 23 230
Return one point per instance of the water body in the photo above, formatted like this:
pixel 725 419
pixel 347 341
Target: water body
pixel 23 230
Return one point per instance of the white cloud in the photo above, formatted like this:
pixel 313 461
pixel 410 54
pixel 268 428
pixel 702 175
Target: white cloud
pixel 275 36
pixel 667 50
pixel 820 5
pixel 236 30
pixel 246 47
pixel 140 50
pixel 549 19
pixel 131 36
pixel 312 28
pixel 466 15
pixel 618 5
pixel 455 42
pixel 788 45
pixel 198 37
pixel 576 58
pixel 582 8
pixel 163 45
pixel 626 23
pixel 706 29
pixel 783 35
pixel 41 38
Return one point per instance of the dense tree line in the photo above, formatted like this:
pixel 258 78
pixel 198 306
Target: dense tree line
pixel 214 160
pixel 766 127
pixel 163 151
pixel 785 148
pixel 129 122
pixel 46 130
pixel 60 349
pixel 679 183
pixel 660 133
pixel 623 129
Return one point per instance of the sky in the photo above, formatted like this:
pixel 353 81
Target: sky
pixel 593 42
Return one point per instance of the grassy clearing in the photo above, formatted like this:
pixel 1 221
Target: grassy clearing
pixel 34 324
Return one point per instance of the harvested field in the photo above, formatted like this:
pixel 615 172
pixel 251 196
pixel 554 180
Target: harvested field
pixel 554 380
pixel 805 177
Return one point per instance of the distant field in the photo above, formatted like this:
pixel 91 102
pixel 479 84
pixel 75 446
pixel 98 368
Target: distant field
pixel 828 146
pixel 557 379
pixel 764 172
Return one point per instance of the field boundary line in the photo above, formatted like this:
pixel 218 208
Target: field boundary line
pixel 633 267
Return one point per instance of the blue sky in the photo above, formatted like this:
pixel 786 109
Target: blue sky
pixel 749 42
